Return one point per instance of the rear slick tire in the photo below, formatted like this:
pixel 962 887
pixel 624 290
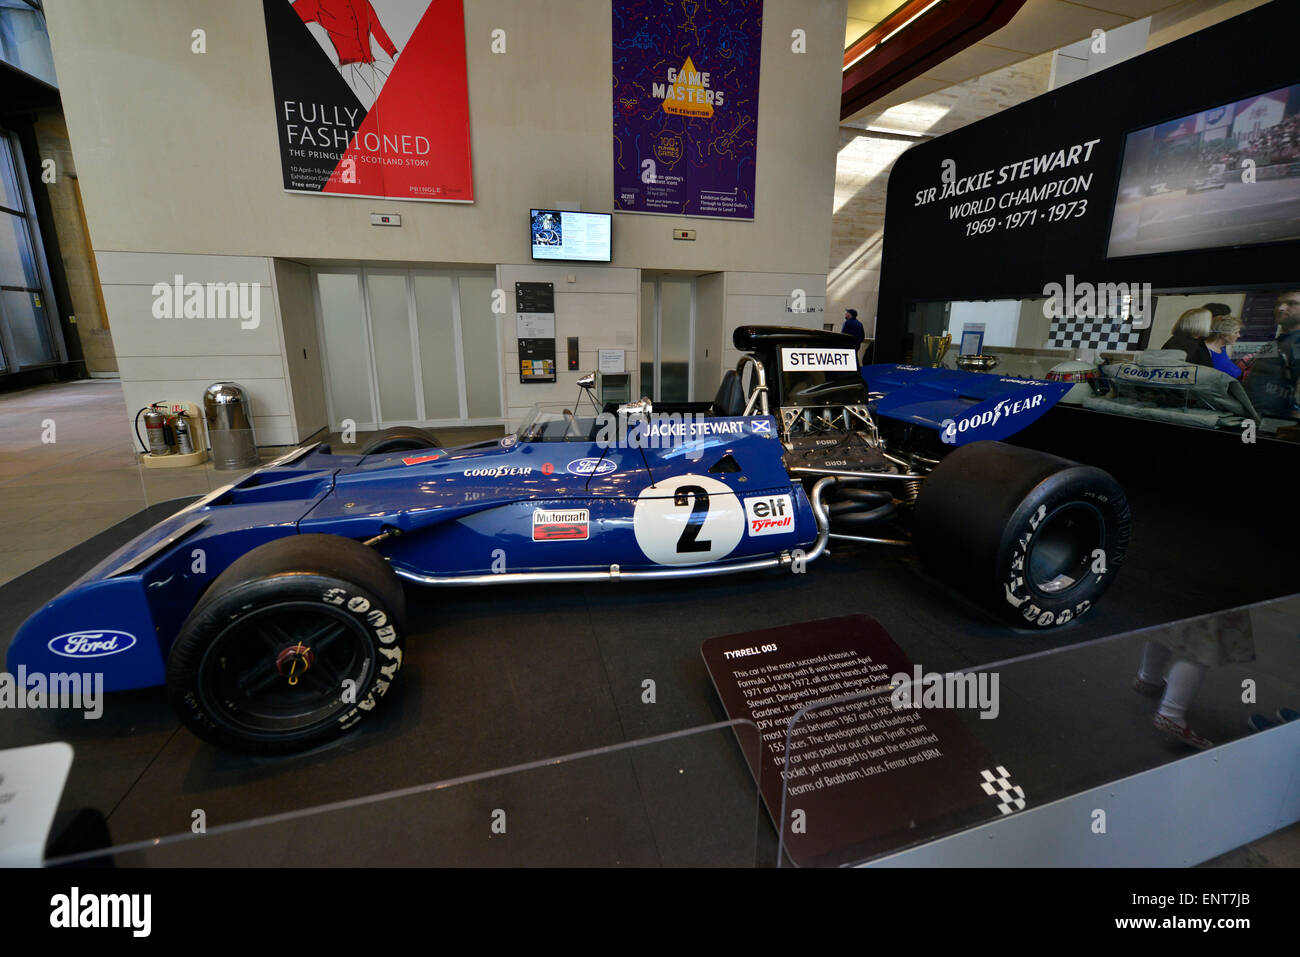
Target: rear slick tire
pixel 1035 538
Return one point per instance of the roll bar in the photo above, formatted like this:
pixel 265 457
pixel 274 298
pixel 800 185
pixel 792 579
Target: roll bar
pixel 759 395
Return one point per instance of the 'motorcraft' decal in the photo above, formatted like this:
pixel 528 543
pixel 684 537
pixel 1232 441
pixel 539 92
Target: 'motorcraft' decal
pixel 558 525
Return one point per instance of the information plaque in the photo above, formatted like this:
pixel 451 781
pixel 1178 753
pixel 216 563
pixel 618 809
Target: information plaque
pixel 868 771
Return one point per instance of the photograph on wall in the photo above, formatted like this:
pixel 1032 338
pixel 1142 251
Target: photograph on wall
pixel 1226 176
pixel 686 106
pixel 372 97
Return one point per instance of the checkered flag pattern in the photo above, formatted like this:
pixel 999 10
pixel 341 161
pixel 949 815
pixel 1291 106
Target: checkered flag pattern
pixel 1074 332
pixel 1011 797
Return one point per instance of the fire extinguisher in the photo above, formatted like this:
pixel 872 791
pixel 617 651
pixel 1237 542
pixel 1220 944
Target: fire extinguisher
pixel 184 438
pixel 155 427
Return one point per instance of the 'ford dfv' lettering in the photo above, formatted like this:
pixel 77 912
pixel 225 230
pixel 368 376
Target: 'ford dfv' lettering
pixel 591 467
pixel 769 514
pixel 91 644
pixel 819 360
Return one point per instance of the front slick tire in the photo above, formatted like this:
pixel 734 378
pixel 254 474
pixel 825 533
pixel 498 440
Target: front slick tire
pixel 1035 538
pixel 290 647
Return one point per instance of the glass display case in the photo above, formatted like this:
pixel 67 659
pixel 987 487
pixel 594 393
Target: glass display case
pixel 1214 359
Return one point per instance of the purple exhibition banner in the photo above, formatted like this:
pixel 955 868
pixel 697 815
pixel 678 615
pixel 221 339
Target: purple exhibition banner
pixel 686 106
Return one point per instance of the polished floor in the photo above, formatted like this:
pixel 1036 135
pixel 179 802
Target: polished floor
pixel 67 470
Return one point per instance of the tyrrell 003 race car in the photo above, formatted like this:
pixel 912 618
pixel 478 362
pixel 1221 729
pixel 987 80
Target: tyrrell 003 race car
pixel 273 610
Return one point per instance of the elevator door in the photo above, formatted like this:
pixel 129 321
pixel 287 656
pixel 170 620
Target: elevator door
pixel 667 339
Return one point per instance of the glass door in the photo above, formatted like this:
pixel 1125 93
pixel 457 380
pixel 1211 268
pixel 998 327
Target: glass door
pixel 392 339
pixel 408 347
pixel 345 348
pixel 480 349
pixel 435 316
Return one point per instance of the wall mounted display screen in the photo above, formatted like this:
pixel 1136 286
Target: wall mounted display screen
pixel 1187 183
pixel 561 234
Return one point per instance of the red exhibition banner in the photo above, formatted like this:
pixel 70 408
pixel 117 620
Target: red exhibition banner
pixel 372 97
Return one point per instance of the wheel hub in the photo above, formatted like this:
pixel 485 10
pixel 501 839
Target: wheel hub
pixel 293 662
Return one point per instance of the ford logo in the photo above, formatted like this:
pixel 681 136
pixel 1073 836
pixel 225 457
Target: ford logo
pixel 91 644
pixel 591 467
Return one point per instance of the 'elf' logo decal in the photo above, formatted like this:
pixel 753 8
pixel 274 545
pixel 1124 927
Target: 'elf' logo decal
pixel 769 515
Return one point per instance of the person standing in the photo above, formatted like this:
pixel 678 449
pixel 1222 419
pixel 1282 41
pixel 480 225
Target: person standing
pixel 1189 336
pixel 1224 331
pixel 852 327
pixel 1177 658
pixel 1273 381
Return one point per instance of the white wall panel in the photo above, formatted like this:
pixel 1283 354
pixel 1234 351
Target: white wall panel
pixel 159 368
pixel 177 359
pixel 137 333
pixel 601 309
pixel 761 299
pixel 146 268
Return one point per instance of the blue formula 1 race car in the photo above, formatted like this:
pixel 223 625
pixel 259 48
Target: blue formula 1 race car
pixel 273 609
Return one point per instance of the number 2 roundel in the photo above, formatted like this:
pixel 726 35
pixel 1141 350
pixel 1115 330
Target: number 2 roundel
pixel 688 520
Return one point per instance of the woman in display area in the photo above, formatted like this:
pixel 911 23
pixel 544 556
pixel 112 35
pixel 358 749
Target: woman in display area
pixel 1224 331
pixel 1189 336
pixel 1194 647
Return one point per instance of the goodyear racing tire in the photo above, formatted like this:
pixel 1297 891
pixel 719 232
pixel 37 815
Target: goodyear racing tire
pixel 1034 537
pixel 290 647
pixel 401 438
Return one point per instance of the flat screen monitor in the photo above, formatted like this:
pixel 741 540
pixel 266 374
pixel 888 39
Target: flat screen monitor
pixel 1181 183
pixel 562 234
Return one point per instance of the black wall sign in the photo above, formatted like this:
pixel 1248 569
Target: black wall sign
pixel 535 297
pixel 536 360
pixel 535 325
pixel 1005 207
